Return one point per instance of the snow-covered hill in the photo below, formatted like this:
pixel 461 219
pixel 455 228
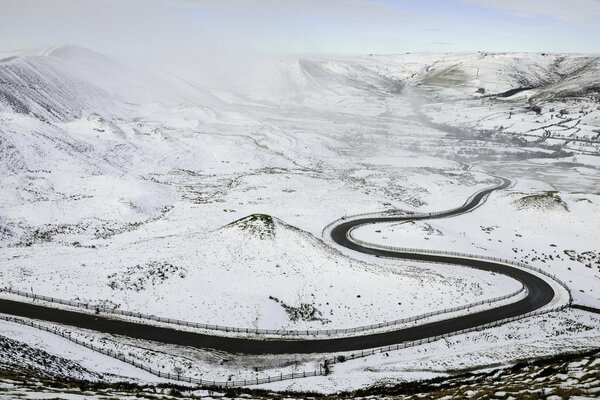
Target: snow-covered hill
pixel 255 272
pixel 66 82
pixel 549 76
pixel 133 182
pixel 47 87
pixel 79 130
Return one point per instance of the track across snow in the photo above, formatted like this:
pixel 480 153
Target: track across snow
pixel 540 293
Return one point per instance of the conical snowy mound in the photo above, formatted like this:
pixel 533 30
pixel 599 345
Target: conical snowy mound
pixel 260 226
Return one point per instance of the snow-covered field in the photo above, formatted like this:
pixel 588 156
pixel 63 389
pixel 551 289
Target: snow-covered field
pixel 531 223
pixel 536 337
pixel 47 353
pixel 203 198
pixel 254 273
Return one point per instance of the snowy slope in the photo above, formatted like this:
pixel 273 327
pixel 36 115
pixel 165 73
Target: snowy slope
pixel 531 224
pixel 547 75
pixel 42 86
pixel 257 272
pixel 119 182
pixel 62 83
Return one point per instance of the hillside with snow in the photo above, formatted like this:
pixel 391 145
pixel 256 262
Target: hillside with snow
pixel 259 269
pixel 186 191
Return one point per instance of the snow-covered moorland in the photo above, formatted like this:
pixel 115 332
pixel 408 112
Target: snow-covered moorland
pixel 203 196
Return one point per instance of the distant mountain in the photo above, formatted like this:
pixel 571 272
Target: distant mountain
pixel 544 76
pixel 60 83
pixel 51 85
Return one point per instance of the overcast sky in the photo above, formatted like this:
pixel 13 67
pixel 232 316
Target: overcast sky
pixel 199 27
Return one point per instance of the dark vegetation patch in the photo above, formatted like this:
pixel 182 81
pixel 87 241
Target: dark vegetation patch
pixel 512 92
pixel 515 381
pixel 20 356
pixel 43 234
pixel 11 159
pixel 5 232
pixel 97 230
pixel 565 375
pixel 14 103
pixel 303 312
pixel 106 231
pixel 588 258
pixel 261 226
pixel 140 277
pixel 548 200
pixel 488 229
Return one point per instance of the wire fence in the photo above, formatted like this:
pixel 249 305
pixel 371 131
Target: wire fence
pixel 407 214
pixel 313 332
pixel 278 332
pixel 167 375
pixel 458 255
pixel 323 365
pixel 370 352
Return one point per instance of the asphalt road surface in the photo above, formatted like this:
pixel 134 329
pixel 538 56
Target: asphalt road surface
pixel 540 293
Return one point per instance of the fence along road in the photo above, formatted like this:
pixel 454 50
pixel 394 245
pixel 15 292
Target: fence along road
pixel 539 294
pixel 278 332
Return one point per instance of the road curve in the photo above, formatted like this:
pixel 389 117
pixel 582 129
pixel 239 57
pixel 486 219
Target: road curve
pixel 540 293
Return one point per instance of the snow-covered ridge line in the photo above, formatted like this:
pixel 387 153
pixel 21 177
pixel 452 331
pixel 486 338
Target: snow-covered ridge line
pixel 275 332
pixel 460 255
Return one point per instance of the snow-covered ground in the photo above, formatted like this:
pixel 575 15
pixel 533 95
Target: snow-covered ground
pixel 534 337
pixel 203 196
pixel 44 352
pixel 254 273
pixel 530 223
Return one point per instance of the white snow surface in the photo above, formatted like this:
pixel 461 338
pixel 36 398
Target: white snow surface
pixel 106 367
pixel 121 184
pixel 530 223
pixel 247 274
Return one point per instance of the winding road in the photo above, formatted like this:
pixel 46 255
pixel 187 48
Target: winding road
pixel 539 294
